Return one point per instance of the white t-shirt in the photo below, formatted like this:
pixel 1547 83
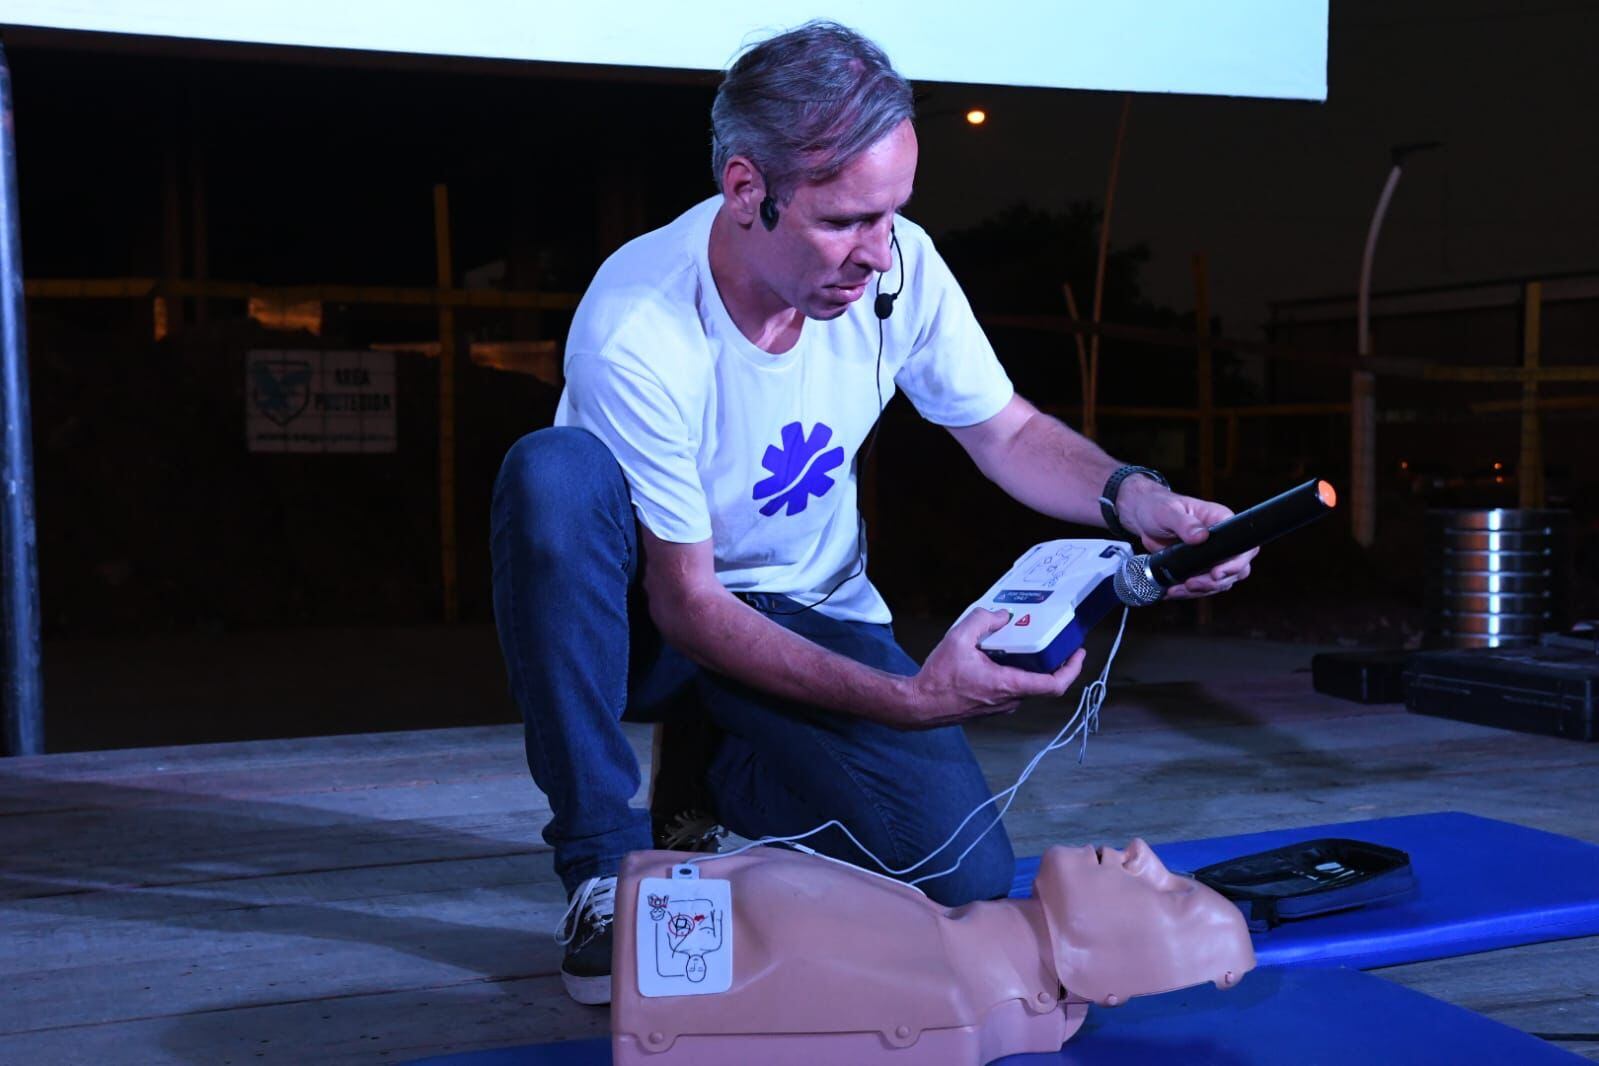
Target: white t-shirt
pixel 718 439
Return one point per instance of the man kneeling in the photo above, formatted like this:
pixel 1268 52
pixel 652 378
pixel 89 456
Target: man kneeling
pixel 684 545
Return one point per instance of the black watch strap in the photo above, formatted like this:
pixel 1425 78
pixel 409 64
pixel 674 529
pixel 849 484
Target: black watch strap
pixel 1107 499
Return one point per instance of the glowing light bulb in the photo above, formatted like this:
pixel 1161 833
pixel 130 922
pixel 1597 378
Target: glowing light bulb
pixel 976 116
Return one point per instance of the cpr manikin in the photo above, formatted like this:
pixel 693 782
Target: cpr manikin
pixel 832 964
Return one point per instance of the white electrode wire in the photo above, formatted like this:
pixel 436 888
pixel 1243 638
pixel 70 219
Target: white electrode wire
pixel 1084 720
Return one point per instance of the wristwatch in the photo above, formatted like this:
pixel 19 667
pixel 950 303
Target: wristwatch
pixel 1107 499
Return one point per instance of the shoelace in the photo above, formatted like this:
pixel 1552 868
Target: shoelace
pixel 692 827
pixel 593 903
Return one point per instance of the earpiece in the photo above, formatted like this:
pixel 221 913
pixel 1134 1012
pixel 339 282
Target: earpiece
pixel 769 213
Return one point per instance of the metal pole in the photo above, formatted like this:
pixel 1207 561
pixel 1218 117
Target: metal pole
pixel 1363 391
pixel 1363 313
pixel 1363 383
pixel 19 587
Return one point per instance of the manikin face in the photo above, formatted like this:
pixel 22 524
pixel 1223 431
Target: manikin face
pixel 832 238
pixel 1124 925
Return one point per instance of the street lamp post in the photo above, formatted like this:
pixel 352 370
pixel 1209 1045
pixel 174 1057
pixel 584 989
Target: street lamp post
pixel 1363 383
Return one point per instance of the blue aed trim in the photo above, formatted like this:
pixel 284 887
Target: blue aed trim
pixel 1087 615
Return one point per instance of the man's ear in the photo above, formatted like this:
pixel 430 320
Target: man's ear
pixel 744 189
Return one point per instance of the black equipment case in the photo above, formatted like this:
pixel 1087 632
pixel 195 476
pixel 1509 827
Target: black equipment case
pixel 1310 878
pixel 1551 689
pixel 1372 676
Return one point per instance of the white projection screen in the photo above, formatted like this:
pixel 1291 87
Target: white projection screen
pixel 1261 48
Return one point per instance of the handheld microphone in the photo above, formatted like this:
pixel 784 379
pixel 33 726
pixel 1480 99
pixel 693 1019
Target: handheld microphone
pixel 1144 579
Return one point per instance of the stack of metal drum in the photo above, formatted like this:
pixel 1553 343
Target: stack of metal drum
pixel 1496 577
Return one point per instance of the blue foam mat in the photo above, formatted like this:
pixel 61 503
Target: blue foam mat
pixel 1483 884
pixel 1307 1017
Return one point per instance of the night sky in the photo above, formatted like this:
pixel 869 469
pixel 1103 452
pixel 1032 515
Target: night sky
pixel 314 169
pixel 1279 194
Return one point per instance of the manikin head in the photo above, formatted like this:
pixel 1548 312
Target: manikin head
pixel 816 125
pixel 1123 925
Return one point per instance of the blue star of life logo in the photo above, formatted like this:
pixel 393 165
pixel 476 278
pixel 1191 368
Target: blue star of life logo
pixel 799 469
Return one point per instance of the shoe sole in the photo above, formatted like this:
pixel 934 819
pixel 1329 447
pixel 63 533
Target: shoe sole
pixel 590 991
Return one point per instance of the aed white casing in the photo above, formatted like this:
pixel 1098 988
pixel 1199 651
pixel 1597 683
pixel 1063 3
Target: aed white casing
pixel 1055 593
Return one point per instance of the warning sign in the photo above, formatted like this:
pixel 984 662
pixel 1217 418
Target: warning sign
pixel 313 401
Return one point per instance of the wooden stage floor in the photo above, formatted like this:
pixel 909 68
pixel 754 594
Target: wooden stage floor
pixel 379 898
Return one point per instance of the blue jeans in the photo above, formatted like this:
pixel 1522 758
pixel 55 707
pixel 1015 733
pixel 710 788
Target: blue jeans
pixel 570 611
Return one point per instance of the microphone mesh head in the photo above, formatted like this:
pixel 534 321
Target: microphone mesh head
pixel 1135 585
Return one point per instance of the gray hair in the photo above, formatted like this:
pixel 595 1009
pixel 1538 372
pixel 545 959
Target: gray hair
pixel 804 104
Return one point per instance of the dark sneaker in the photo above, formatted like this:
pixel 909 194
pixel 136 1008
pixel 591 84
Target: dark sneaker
pixel 586 932
pixel 691 830
pixel 682 811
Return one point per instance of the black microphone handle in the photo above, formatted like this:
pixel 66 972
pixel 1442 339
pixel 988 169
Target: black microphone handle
pixel 1248 529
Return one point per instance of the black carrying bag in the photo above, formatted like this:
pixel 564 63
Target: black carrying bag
pixel 1311 878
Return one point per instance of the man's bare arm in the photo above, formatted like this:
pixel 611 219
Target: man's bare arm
pixel 1043 463
pixel 717 630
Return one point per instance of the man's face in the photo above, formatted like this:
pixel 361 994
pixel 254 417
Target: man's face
pixel 833 236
